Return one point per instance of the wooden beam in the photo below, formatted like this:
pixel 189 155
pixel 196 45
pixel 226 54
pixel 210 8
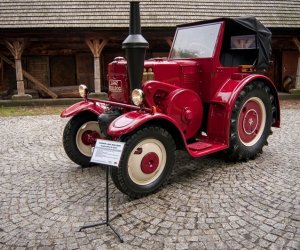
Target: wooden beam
pixel 1 74
pixel 39 85
pixel 96 46
pixel 66 91
pixel 169 41
pixel 16 47
pixel 297 43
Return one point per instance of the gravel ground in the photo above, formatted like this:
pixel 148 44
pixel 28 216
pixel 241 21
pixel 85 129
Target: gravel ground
pixel 209 203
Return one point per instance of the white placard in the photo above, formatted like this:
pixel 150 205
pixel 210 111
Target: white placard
pixel 107 152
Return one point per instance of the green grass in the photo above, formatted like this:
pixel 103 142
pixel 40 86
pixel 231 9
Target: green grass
pixel 29 111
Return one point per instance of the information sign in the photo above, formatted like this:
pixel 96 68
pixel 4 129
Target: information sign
pixel 107 152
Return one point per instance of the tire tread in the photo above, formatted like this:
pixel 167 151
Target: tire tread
pixel 117 175
pixel 236 151
pixel 69 140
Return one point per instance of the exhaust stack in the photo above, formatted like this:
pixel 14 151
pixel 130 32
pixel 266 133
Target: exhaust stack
pixel 135 46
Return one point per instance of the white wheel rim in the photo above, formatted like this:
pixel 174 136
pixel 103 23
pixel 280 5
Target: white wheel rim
pixel 258 127
pixel 83 147
pixel 148 146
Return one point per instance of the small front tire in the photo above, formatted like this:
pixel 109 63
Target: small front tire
pixel 79 136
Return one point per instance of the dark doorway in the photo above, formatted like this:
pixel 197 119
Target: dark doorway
pixel 63 71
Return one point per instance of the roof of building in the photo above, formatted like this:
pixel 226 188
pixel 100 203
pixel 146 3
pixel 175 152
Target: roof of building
pixel 154 13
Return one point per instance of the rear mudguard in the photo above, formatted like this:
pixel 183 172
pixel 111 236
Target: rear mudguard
pixel 94 107
pixel 130 121
pixel 223 102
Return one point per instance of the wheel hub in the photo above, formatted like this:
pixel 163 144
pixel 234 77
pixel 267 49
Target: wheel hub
pixel 147 161
pixel 89 137
pixel 150 163
pixel 250 122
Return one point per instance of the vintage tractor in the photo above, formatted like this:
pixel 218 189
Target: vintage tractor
pixel 205 97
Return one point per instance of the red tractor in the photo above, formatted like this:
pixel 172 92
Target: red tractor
pixel 205 97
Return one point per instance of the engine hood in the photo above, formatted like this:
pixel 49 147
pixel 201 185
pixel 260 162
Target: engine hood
pixel 182 73
pixel 170 71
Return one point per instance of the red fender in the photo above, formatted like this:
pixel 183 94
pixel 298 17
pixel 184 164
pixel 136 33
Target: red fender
pixel 223 103
pixel 130 121
pixel 180 104
pixel 94 107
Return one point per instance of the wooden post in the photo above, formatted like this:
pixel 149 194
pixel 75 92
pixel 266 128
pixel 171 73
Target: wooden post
pixel 96 46
pixel 297 43
pixel 97 74
pixel 39 85
pixel 17 47
pixel 169 41
pixel 1 74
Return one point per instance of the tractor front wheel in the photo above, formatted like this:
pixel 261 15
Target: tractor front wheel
pixel 79 136
pixel 146 163
pixel 250 122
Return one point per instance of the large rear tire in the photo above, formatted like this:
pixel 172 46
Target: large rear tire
pixel 146 163
pixel 251 121
pixel 79 136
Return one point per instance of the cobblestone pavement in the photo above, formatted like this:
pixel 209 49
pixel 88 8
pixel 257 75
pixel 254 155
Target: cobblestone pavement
pixel 208 204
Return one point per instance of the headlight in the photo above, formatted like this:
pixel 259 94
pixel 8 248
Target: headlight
pixel 137 97
pixel 83 90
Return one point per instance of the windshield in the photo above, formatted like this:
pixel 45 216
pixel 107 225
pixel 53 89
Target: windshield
pixel 195 42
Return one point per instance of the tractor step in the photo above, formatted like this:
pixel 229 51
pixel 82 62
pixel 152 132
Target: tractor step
pixel 198 149
pixel 199 145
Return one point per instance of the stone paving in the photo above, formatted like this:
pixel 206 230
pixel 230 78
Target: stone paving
pixel 208 204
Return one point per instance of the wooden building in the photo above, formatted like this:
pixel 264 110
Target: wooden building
pixel 47 47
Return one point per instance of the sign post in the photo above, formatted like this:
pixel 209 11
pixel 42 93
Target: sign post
pixel 109 154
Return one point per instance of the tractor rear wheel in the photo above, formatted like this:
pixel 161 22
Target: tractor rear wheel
pixel 251 120
pixel 146 163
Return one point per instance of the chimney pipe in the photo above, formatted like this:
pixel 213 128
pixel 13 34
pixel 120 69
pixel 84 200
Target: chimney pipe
pixel 135 46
